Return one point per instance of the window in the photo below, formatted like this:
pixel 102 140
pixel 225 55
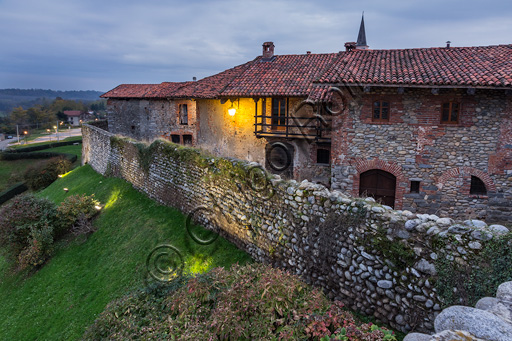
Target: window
pixel 183 112
pixel 187 139
pixel 175 138
pixel 278 113
pixel 323 155
pixel 415 186
pixel 380 111
pixel 450 112
pixel 477 186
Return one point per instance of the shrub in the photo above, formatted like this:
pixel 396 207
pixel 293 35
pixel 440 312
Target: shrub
pixel 26 222
pixel 43 173
pixel 246 302
pixel 73 210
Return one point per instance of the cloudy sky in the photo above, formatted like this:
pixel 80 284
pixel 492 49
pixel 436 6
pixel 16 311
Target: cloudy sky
pixel 96 45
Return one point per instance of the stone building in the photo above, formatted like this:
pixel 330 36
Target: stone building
pixel 428 130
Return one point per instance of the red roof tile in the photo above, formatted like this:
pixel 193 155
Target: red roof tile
pixel 303 75
pixel 487 66
pixel 72 112
pixel 286 75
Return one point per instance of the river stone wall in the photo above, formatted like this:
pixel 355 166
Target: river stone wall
pixel 377 260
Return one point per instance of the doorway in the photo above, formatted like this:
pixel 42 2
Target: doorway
pixel 379 185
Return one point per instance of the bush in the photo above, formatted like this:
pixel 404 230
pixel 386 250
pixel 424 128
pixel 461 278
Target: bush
pixel 43 173
pixel 74 210
pixel 246 302
pixel 26 229
pixel 29 226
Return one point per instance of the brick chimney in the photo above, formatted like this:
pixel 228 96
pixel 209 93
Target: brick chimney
pixel 268 50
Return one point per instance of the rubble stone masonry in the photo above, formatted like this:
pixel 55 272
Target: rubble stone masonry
pixel 379 261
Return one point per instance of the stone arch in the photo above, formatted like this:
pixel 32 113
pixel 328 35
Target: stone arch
pixel 363 165
pixel 466 171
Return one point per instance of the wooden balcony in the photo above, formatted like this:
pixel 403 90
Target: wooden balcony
pixel 316 127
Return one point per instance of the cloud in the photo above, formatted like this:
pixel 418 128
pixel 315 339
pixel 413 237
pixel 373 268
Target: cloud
pixel 99 44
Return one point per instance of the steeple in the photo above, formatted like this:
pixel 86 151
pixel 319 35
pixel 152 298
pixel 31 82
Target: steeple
pixel 361 37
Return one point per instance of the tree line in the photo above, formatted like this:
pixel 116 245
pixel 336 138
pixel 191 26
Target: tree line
pixel 42 116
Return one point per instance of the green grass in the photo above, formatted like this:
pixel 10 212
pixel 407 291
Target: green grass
pixel 65 296
pixel 11 172
pixel 23 145
pixel 71 149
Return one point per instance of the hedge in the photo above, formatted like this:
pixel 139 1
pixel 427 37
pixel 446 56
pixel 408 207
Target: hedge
pixel 12 192
pixel 41 147
pixel 29 155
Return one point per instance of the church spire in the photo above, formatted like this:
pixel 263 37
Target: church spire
pixel 361 37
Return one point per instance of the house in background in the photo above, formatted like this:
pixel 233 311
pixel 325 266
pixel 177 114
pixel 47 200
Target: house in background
pixel 427 130
pixel 74 117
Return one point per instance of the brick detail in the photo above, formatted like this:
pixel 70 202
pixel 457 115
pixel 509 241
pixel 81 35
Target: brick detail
pixel 363 165
pixel 466 171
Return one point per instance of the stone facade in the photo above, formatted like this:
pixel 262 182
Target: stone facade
pixel 348 246
pixel 415 146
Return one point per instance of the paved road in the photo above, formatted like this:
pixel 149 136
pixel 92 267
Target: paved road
pixel 53 137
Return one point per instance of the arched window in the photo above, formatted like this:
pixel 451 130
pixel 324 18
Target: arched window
pixel 477 186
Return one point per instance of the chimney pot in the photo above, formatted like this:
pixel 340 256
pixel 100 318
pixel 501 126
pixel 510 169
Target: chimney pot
pixel 268 50
pixel 308 52
pixel 349 46
pixel 194 79
pixel 448 44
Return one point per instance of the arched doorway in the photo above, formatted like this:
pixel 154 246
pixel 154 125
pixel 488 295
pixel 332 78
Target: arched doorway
pixel 378 184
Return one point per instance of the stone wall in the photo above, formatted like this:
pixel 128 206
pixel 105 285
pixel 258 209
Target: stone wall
pixel 378 261
pixel 415 146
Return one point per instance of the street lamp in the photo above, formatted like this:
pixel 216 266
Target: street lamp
pixel 25 133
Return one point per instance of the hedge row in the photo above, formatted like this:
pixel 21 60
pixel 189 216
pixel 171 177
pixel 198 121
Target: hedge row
pixel 12 192
pixel 29 155
pixel 41 147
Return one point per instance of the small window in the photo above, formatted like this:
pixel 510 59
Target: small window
pixel 477 186
pixel 175 138
pixel 415 186
pixel 279 113
pixel 450 112
pixel 380 111
pixel 323 155
pixel 187 139
pixel 133 128
pixel 183 112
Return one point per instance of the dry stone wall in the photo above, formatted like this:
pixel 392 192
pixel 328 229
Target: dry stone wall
pixel 379 261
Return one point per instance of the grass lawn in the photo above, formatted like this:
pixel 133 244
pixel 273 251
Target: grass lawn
pixel 71 149
pixel 65 296
pixel 23 145
pixel 11 172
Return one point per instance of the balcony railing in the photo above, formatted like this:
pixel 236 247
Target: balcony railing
pixel 316 127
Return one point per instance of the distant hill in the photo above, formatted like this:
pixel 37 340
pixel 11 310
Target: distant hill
pixel 12 98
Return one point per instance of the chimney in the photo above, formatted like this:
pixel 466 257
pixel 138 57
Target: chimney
pixel 349 46
pixel 268 50
pixel 448 44
pixel 308 52
pixel 194 79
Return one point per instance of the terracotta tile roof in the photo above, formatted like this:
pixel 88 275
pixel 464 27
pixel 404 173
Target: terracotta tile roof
pixel 487 66
pixel 72 112
pixel 163 90
pixel 307 75
pixel 286 75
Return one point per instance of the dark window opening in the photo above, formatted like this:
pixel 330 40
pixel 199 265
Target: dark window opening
pixel 187 139
pixel 415 186
pixel 175 138
pixel 183 112
pixel 380 111
pixel 278 113
pixel 133 128
pixel 323 155
pixel 450 112
pixel 477 186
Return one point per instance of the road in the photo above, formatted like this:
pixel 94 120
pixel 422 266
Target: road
pixel 53 137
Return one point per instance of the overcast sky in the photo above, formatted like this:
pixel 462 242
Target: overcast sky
pixel 97 45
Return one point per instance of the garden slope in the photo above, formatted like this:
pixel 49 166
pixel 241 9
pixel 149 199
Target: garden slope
pixel 66 295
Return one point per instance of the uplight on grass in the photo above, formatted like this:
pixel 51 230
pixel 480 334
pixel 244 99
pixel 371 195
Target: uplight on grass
pixel 113 198
pixel 199 264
